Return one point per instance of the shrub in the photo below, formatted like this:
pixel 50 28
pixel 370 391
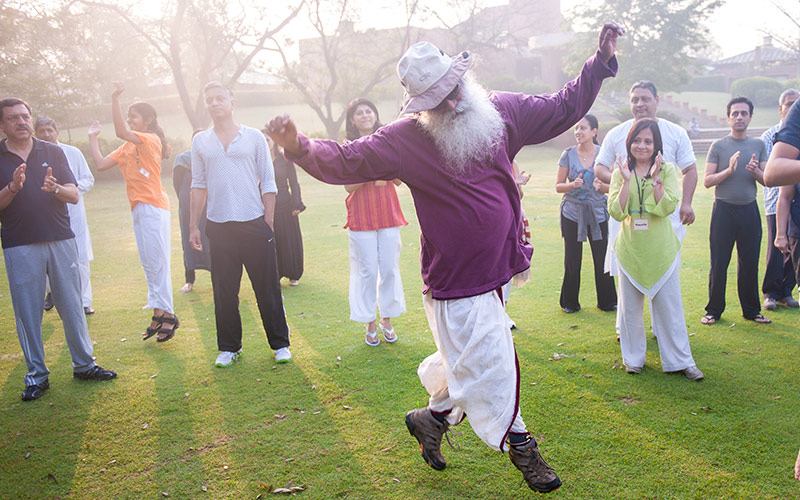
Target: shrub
pixel 761 90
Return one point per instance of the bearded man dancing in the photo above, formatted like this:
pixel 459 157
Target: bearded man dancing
pixel 454 152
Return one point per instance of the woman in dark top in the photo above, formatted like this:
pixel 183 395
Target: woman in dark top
pixel 583 214
pixel 182 181
pixel 288 205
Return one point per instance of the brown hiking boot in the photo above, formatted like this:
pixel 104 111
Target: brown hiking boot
pixel 423 425
pixel 539 476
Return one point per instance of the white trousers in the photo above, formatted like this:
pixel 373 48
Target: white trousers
pixel 474 371
pixel 375 274
pixel 151 226
pixel 86 284
pixel 666 310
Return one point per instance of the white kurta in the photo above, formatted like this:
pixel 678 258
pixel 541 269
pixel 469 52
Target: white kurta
pixel 77 212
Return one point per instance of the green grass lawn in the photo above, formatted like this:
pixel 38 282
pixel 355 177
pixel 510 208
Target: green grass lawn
pixel 332 420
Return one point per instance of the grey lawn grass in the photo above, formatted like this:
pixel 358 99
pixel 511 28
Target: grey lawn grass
pixel 332 420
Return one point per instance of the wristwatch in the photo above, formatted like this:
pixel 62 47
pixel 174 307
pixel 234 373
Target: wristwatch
pixel 58 188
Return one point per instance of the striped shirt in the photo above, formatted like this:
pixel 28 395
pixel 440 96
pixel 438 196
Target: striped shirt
pixel 232 175
pixel 374 206
pixel 771 193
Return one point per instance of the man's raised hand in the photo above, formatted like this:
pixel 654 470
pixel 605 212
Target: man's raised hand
pixel 607 43
pixel 50 183
pixel 734 161
pixel 19 177
pixel 752 166
pixel 284 132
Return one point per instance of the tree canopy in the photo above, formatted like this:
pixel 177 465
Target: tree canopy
pixel 661 38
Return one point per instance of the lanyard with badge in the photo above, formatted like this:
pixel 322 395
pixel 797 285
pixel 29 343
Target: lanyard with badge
pixel 640 224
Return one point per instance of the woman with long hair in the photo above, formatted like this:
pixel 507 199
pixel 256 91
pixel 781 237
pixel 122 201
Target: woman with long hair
pixel 643 193
pixel 583 214
pixel 374 218
pixel 139 160
pixel 288 205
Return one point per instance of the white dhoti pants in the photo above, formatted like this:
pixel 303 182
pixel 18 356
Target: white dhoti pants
pixel 666 309
pixel 474 372
pixel 375 274
pixel 151 227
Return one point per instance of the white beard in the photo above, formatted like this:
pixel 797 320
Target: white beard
pixel 468 135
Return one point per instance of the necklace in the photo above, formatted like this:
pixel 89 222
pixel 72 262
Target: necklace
pixel 585 156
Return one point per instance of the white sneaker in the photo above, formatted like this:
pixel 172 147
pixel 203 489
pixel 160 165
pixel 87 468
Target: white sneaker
pixel 226 358
pixel 283 355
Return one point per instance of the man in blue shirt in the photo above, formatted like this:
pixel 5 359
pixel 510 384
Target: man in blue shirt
pixel 37 242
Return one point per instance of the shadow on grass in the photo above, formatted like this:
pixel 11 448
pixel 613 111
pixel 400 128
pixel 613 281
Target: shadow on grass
pixel 43 439
pixel 651 421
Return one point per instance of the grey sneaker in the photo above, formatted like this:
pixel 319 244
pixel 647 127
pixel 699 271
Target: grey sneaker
pixel 423 425
pixel 770 304
pixel 539 476
pixel 283 355
pixel 693 373
pixel 226 358
pixel 633 370
pixel 788 301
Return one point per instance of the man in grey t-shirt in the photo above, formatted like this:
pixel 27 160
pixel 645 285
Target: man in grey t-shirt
pixel 734 164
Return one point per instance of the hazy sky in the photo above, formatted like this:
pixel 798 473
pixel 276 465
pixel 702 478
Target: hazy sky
pixel 738 26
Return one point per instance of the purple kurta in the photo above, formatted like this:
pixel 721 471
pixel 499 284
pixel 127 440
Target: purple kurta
pixel 471 225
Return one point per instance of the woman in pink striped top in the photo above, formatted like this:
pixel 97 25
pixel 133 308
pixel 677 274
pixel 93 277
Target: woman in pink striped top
pixel 374 218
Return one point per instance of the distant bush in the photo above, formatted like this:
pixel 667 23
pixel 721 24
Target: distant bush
pixel 711 83
pixel 794 83
pixel 761 90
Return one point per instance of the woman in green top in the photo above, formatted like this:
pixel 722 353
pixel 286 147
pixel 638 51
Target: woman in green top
pixel 643 193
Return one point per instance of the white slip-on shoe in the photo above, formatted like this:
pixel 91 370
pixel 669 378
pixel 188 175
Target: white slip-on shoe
pixel 283 355
pixel 226 358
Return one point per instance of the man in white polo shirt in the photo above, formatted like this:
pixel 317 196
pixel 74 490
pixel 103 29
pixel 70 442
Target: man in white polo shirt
pixel 232 169
pixel 677 150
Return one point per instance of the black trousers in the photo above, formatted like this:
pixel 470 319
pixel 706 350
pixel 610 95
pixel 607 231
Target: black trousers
pixel 573 255
pixel 794 256
pixel 740 225
pixel 779 279
pixel 250 244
